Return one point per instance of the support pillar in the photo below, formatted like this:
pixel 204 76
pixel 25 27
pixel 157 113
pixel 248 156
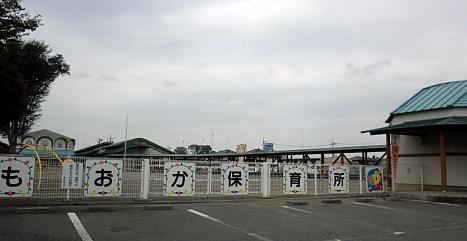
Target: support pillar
pixel 442 158
pixel 388 161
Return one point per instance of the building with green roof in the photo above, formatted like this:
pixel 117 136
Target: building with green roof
pixel 60 144
pixel 427 138
pixel 134 147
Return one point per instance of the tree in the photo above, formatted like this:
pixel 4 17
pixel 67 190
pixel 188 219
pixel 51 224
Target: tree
pixel 27 69
pixel 199 149
pixel 180 150
pixel 15 23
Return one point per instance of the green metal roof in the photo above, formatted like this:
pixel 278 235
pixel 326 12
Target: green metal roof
pixel 445 95
pixel 417 126
pixel 47 133
pixel 107 148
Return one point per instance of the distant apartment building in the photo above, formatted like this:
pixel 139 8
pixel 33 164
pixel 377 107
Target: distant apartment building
pixel 241 148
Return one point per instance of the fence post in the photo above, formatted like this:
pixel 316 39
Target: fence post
pixel 316 180
pixel 421 177
pixel 265 179
pixel 208 192
pixel 360 178
pixel 145 179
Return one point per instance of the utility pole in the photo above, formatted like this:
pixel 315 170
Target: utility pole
pixel 332 145
pixel 212 140
pixel 126 136
pixel 302 138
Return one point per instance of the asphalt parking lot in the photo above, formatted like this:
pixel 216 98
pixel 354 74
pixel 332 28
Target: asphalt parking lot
pixel 253 220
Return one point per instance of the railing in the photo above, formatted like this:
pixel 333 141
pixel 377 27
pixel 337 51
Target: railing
pixel 410 177
pixel 142 179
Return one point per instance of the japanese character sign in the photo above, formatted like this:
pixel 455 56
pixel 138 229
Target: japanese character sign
pixel 338 179
pixel 179 179
pixel 103 178
pixel 234 179
pixel 295 179
pixel 374 179
pixel 72 175
pixel 16 176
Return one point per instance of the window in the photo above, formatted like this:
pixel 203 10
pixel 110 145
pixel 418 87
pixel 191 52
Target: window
pixel 28 141
pixel 45 142
pixel 60 144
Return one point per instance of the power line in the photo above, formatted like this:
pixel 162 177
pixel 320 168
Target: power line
pixel 324 145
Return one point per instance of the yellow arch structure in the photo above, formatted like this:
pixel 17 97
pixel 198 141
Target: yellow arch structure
pixel 34 148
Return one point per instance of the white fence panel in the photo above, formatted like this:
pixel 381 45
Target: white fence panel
pixel 144 179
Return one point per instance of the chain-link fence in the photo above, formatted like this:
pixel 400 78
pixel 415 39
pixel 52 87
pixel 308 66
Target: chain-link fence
pixel 48 179
pixel 146 178
pixel 409 177
pixel 318 180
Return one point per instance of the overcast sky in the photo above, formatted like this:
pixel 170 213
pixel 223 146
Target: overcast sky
pixel 244 70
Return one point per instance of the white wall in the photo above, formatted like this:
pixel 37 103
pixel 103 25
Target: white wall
pixel 426 115
pixel 408 170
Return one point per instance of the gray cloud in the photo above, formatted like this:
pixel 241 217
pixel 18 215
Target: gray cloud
pixel 244 70
pixel 169 84
pixel 369 68
pixel 107 78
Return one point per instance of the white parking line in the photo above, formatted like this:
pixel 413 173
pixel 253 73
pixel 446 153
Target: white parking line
pixel 296 209
pixel 375 206
pixel 255 235
pixel 447 204
pixel 79 227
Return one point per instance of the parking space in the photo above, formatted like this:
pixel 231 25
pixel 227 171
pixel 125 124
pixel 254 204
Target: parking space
pixel 50 227
pixel 265 220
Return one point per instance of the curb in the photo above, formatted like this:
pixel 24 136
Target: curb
pixel 428 197
pixel 21 202
pixel 83 209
